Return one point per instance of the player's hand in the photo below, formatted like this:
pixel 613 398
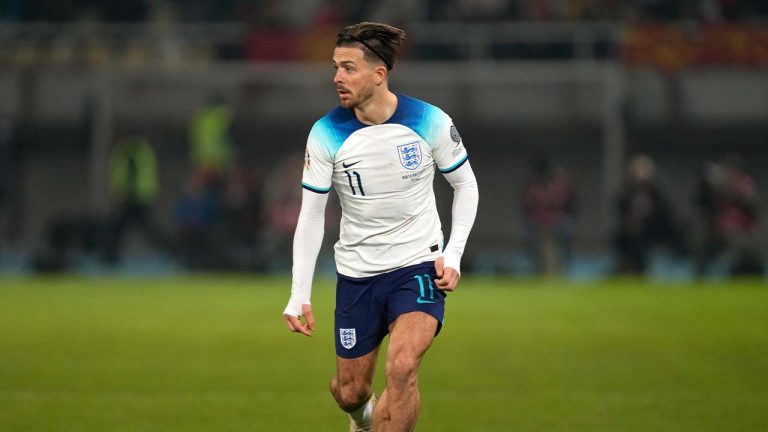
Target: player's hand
pixel 295 324
pixel 447 277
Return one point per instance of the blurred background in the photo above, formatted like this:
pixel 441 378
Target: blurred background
pixel 608 137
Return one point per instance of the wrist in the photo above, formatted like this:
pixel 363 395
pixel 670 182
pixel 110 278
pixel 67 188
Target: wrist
pixel 294 305
pixel 452 261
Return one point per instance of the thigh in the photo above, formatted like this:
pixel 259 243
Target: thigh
pixel 411 334
pixel 360 319
pixel 356 371
pixel 415 291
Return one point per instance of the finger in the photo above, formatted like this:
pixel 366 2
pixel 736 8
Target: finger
pixel 299 326
pixel 305 330
pixel 445 285
pixel 439 266
pixel 308 316
pixel 291 321
pixel 449 280
pixel 442 280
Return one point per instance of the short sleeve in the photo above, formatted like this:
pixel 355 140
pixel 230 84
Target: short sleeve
pixel 448 149
pixel 318 163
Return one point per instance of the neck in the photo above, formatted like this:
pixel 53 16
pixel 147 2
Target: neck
pixel 378 109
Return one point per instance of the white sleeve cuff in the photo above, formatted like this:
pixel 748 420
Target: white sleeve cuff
pixel 294 305
pixel 452 261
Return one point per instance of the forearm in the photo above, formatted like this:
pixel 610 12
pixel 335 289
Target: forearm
pixel 306 246
pixel 464 209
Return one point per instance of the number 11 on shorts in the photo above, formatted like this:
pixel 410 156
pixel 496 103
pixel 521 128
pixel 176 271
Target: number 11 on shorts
pixel 423 298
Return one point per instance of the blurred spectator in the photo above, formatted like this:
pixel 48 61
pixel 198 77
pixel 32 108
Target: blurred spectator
pixel 644 217
pixel 212 149
pixel 243 218
pixel 195 216
pixel 133 186
pixel 219 228
pixel 727 200
pixel 549 206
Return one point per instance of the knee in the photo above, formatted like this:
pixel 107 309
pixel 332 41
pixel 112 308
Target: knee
pixel 402 373
pixel 350 395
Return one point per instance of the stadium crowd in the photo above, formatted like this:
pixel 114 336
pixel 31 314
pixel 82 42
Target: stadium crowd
pixel 268 30
pixel 230 216
pixel 298 13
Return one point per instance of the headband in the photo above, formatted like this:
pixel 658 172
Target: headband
pixel 357 39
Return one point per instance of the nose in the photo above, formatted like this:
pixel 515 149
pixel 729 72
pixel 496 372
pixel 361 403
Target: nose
pixel 337 76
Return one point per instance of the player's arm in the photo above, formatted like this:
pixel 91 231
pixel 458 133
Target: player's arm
pixel 316 181
pixel 452 161
pixel 306 246
pixel 463 211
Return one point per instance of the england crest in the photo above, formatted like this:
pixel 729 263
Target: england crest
pixel 348 338
pixel 410 155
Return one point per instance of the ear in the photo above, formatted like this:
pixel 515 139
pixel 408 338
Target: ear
pixel 380 74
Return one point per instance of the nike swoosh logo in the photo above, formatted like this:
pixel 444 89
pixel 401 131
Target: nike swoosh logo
pixel 345 165
pixel 422 301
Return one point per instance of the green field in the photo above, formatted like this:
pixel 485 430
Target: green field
pixel 212 354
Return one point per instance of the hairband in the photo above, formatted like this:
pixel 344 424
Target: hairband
pixel 357 39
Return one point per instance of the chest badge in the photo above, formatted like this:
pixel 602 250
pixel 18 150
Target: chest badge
pixel 410 155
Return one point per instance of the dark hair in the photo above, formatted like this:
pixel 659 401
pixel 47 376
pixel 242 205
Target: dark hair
pixel 379 40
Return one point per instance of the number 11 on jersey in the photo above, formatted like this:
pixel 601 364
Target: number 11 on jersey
pixel 359 182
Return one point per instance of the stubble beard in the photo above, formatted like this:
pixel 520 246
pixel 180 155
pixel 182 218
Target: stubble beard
pixel 356 101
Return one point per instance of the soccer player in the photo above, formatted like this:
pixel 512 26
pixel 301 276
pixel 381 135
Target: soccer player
pixel 379 151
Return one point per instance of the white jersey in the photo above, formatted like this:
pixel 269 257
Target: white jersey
pixel 383 175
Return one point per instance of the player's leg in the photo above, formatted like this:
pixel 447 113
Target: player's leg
pixel 411 334
pixel 351 385
pixel 360 326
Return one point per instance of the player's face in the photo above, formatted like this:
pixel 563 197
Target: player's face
pixel 354 78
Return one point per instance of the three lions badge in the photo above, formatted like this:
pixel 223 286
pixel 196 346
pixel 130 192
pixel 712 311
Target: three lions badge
pixel 410 155
pixel 348 338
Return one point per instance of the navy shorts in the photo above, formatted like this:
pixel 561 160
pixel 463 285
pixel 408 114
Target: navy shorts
pixel 365 307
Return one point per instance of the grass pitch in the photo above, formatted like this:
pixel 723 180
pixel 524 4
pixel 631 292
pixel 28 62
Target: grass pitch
pixel 212 354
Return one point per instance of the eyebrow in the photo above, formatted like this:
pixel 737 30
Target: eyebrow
pixel 345 63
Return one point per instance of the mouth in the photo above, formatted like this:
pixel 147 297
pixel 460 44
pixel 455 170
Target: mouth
pixel 342 92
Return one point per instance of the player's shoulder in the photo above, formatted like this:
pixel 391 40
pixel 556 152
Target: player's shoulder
pixel 337 118
pixel 411 108
pixel 427 120
pixel 332 129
